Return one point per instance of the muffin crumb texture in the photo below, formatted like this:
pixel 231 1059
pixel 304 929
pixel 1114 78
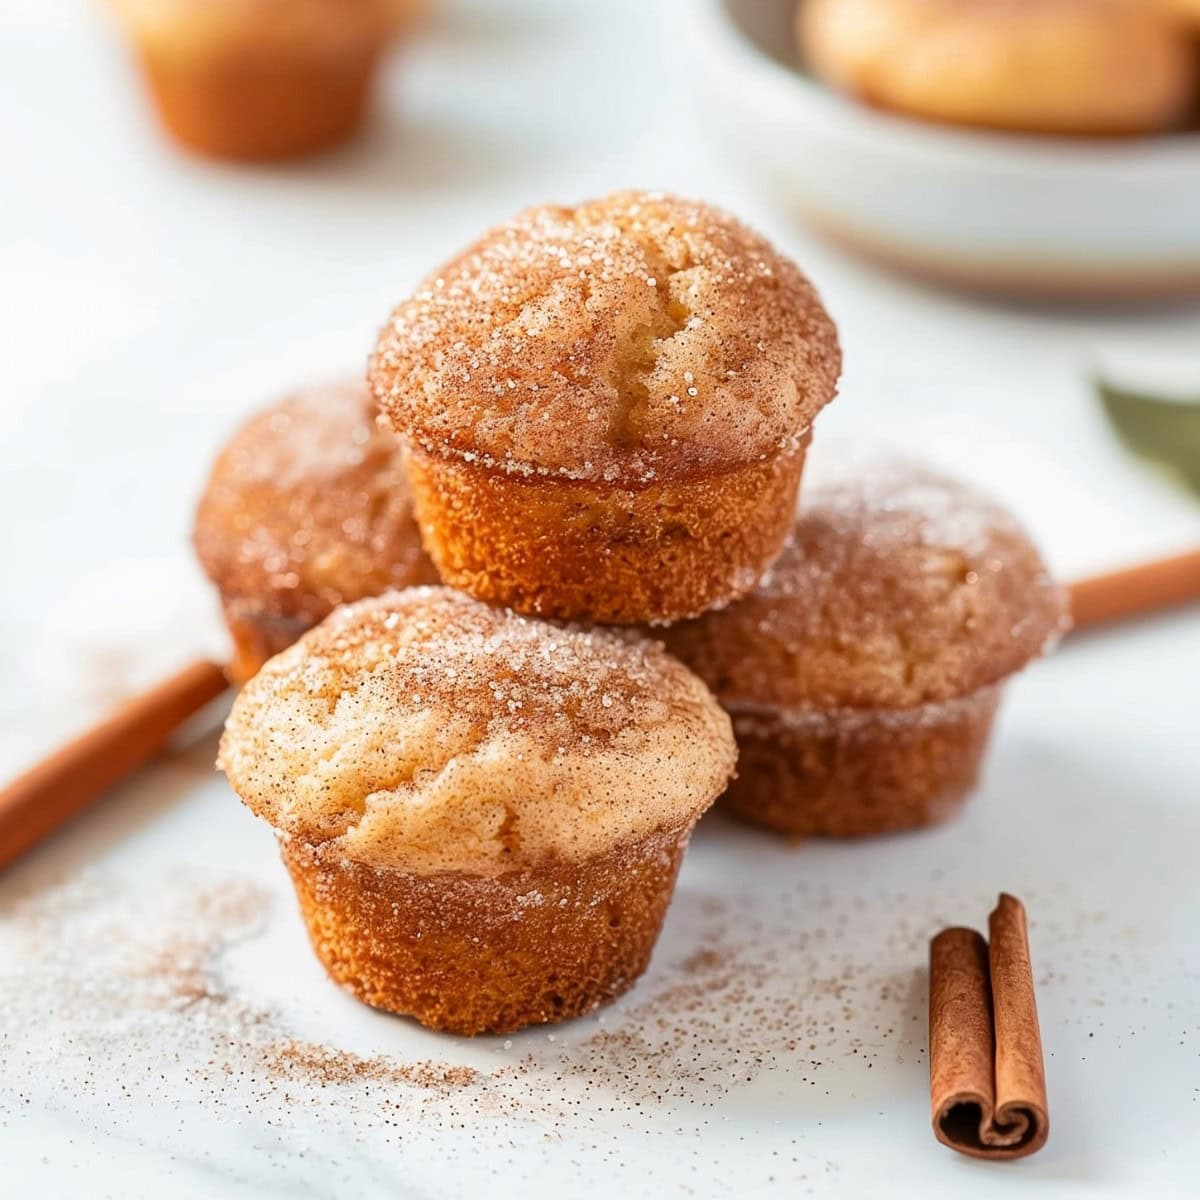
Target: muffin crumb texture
pixel 425 731
pixel 623 340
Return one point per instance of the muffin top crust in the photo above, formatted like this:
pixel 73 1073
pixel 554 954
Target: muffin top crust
pixel 308 506
pixel 1044 66
pixel 635 337
pixel 425 731
pixel 898 587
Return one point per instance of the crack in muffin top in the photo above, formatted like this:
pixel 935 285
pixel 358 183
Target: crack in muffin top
pixel 425 731
pixel 898 587
pixel 635 337
pixel 307 506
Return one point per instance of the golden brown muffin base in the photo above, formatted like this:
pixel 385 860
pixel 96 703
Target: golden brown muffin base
pixel 859 773
pixel 599 552
pixel 488 954
pixel 261 103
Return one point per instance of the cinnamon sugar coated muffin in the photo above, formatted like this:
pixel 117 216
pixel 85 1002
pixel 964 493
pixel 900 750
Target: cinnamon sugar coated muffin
pixel 261 79
pixel 307 506
pixel 608 407
pixel 483 814
pixel 863 673
pixel 1041 66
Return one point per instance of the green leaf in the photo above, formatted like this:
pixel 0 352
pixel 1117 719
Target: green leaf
pixel 1163 430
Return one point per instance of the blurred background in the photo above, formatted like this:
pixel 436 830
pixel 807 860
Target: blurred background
pixel 152 296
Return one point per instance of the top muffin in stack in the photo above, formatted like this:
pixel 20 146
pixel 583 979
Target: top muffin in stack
pixel 608 407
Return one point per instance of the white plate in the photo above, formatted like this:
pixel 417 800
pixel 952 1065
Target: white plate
pixel 1011 212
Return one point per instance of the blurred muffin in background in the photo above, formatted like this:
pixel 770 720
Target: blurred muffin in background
pixel 262 79
pixel 307 507
pixel 1083 67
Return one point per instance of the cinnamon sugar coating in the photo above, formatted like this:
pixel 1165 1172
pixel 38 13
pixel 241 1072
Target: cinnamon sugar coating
pixel 1043 66
pixel 426 732
pixel 306 507
pixel 631 338
pixel 898 587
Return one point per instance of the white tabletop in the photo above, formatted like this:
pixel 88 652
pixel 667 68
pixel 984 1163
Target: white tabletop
pixel 150 299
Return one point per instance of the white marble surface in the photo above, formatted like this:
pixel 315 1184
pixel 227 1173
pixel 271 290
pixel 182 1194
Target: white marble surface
pixel 150 299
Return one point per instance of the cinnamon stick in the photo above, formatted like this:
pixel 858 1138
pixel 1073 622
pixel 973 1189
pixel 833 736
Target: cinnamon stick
pixel 46 796
pixel 987 1080
pixel 1133 591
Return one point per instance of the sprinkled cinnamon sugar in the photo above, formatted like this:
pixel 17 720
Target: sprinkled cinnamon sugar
pixel 110 975
pixel 634 337
pixel 758 995
pixel 787 1006
pixel 898 587
pixel 308 506
pixel 427 731
pixel 113 975
pixel 291 1058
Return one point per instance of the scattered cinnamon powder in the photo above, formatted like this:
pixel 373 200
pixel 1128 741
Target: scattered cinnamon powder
pixel 292 1058
pixel 758 996
pixel 115 976
pixel 175 996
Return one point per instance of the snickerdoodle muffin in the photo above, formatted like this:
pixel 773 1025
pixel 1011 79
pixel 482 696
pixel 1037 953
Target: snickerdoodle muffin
pixel 863 673
pixel 483 814
pixel 307 506
pixel 608 407
pixel 260 79
pixel 1042 66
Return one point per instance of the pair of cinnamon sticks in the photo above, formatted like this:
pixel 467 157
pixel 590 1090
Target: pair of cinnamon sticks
pixel 987 1075
pixel 986 1072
